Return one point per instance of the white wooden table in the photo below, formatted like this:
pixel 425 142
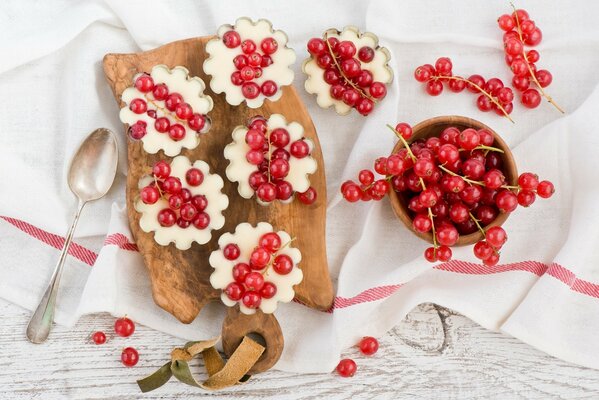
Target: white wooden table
pixel 414 361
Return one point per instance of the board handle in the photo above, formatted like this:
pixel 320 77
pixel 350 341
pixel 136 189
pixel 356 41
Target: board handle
pixel 263 328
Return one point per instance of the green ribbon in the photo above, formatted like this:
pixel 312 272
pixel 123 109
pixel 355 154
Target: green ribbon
pixel 220 374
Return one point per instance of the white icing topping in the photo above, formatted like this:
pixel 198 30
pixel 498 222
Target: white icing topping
pixel 239 169
pixel 178 81
pixel 184 237
pixel 220 63
pixel 378 66
pixel 246 237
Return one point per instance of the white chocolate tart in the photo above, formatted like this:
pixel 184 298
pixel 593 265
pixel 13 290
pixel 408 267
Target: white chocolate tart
pixel 205 198
pixel 287 141
pixel 166 109
pixel 247 239
pixel 250 62
pixel 342 83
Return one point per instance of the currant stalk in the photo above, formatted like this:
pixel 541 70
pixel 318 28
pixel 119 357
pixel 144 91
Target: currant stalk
pixel 345 78
pixel 481 90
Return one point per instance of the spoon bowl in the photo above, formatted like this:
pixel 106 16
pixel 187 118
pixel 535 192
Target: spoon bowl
pixel 94 165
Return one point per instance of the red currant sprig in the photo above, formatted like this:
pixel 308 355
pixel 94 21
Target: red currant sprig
pixel 342 65
pixel 493 94
pixel 454 184
pixel 184 209
pixel 250 63
pixel 270 150
pixel 521 31
pixel 250 284
pixel 174 107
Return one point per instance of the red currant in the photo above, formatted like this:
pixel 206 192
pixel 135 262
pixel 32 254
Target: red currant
pixel 308 197
pixel 201 221
pixel 269 45
pixel 231 39
pixel 545 189
pixel 368 345
pixel 167 217
pixel 270 241
pixel 99 337
pixel 124 327
pixel 149 195
pixel 269 88
pixel 240 271
pixel 231 251
pixel 251 299
pixel 282 264
pixel 129 357
pixel 267 192
pixel 496 236
pixel 176 132
pixel 316 46
pixel 234 291
pixel 138 106
pixel 346 368
pixel 268 290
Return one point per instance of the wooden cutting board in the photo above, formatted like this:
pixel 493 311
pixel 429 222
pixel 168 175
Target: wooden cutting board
pixel 180 279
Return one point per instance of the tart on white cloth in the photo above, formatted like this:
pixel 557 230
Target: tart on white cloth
pixel 256 268
pixel 347 69
pixel 166 109
pixel 181 203
pixel 272 159
pixel 250 62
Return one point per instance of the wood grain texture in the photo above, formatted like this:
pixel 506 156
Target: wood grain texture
pixel 413 363
pixel 237 325
pixel 433 127
pixel 180 278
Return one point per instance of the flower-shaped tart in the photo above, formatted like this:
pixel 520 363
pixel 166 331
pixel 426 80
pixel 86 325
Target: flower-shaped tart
pixel 249 62
pixel 271 159
pixel 255 267
pixel 166 110
pixel 181 203
pixel 347 70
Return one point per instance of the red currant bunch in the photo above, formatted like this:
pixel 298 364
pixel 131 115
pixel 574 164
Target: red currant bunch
pixel 453 184
pixel 249 64
pixel 271 151
pixel 182 207
pixel 172 115
pixel 348 70
pixel 521 31
pixel 250 277
pixel 492 94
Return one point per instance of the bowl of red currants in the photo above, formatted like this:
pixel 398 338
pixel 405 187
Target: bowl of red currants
pixel 458 154
pixel 453 182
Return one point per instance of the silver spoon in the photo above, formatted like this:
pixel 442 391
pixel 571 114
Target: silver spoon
pixel 91 175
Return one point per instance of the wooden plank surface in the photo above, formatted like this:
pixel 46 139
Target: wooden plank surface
pixel 413 362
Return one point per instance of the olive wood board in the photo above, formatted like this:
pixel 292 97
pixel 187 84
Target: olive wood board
pixel 180 279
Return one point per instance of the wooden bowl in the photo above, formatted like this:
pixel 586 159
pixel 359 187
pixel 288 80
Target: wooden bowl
pixel 434 127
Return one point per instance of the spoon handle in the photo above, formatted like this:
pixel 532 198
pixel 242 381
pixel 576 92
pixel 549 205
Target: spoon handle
pixel 41 322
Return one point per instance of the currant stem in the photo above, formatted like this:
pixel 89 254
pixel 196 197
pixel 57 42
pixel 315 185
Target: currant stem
pixel 157 187
pixel 483 147
pixel 450 172
pixel 480 228
pixel 483 91
pixel 404 142
pixel 274 255
pixel 269 156
pixel 432 218
pixel 531 72
pixel 164 110
pixel 345 78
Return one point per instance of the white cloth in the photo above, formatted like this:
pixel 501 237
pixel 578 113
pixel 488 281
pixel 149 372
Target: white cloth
pixel 54 94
